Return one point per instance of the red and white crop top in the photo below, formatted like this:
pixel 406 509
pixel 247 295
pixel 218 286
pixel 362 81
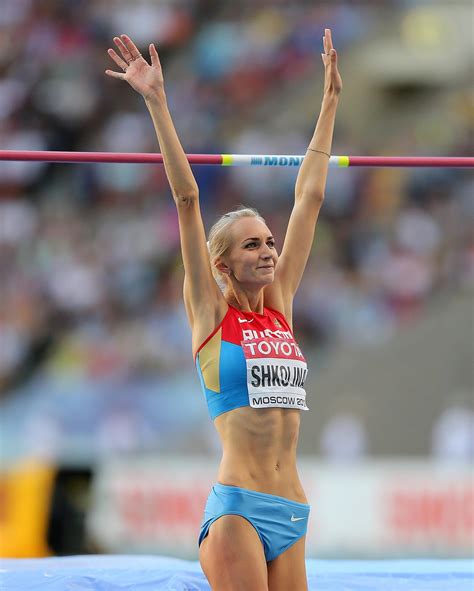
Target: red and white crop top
pixel 252 359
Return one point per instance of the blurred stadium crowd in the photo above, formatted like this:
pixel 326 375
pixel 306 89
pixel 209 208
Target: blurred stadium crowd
pixel 95 346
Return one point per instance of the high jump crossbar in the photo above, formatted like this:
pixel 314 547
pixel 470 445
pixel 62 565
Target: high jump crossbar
pixel 237 159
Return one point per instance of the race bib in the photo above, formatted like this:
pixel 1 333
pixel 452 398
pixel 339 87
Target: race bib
pixel 276 373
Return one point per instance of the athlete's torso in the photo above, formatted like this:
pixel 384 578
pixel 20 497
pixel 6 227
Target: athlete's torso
pixel 259 450
pixel 252 373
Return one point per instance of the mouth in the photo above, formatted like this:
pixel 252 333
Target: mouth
pixel 266 267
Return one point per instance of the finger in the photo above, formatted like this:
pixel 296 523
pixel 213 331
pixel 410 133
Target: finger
pixel 132 48
pixel 328 35
pixel 155 60
pixel 117 59
pixel 113 74
pixel 123 49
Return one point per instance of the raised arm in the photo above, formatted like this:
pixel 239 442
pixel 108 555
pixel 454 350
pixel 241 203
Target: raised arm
pixel 309 190
pixel 201 291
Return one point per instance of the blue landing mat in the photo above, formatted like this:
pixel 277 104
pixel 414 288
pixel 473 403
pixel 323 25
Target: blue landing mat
pixel 159 573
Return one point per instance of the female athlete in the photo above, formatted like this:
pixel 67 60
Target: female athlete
pixel 238 295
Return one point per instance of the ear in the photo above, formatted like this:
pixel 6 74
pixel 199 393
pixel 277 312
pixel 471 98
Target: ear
pixel 222 267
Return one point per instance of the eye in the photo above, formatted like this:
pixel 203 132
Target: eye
pixel 250 244
pixel 271 243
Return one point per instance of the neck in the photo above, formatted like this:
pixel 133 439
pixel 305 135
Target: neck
pixel 246 301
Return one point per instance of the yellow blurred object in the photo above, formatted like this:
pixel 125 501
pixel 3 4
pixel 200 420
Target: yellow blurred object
pixel 25 503
pixel 424 27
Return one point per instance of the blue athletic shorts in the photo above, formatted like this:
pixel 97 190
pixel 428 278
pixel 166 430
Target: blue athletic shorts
pixel 279 522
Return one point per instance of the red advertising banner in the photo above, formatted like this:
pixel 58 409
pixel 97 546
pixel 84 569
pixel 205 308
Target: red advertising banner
pixel 379 509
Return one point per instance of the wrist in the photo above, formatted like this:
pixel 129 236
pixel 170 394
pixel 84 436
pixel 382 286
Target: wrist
pixel 318 151
pixel 331 97
pixel 157 97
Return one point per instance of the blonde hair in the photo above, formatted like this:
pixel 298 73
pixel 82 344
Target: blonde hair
pixel 219 240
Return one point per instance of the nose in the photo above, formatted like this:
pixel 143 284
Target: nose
pixel 267 252
pixel 266 260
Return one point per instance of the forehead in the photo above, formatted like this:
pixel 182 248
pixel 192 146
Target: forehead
pixel 249 227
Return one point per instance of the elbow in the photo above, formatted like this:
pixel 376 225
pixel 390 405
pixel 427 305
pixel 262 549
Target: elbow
pixel 186 198
pixel 314 197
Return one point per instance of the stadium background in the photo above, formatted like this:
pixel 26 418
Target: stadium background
pixel 96 368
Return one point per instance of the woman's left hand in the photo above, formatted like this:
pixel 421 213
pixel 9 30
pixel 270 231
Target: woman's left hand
pixel 332 78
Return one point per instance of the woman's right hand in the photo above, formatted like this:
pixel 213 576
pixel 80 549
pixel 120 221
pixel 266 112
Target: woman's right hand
pixel 145 79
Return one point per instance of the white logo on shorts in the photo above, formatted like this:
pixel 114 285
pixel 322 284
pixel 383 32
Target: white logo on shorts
pixel 293 518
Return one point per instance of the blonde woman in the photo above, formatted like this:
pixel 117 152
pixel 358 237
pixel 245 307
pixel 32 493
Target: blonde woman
pixel 238 295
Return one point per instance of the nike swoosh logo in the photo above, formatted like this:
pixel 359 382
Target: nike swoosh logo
pixel 293 518
pixel 242 320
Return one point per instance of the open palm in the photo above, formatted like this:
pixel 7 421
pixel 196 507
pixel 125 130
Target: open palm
pixel 144 78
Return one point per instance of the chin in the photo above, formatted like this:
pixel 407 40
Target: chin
pixel 269 280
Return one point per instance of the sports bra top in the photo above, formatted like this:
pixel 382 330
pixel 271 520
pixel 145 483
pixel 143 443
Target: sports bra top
pixel 252 359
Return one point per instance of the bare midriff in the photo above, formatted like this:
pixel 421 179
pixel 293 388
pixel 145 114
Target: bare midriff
pixel 259 450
